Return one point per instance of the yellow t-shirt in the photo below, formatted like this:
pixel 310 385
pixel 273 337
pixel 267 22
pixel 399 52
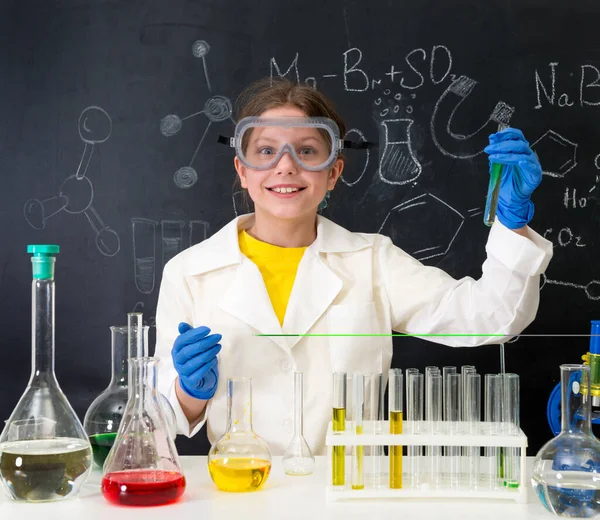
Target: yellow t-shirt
pixel 278 266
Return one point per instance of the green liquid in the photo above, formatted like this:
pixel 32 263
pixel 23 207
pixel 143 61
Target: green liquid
pixel 101 445
pixel 45 469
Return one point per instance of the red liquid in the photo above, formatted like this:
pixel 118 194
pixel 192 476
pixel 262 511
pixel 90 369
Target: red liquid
pixel 143 488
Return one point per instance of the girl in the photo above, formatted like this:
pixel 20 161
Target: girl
pixel 285 269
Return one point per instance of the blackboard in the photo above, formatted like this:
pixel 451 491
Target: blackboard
pixel 110 112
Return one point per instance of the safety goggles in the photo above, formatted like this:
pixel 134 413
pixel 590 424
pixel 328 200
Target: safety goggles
pixel 313 142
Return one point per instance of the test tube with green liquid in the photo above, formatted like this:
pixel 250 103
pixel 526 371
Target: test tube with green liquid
pixel 491 203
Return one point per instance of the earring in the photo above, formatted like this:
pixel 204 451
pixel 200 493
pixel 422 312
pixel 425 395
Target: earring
pixel 323 203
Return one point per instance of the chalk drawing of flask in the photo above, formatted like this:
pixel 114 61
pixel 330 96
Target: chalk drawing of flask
pixel 397 161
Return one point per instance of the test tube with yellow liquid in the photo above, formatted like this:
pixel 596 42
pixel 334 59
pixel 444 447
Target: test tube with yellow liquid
pixel 395 420
pixel 339 426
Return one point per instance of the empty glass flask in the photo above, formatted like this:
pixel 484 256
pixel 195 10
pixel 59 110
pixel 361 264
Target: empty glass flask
pixel 298 458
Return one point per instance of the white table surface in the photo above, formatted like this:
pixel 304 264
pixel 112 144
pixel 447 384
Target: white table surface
pixel 283 497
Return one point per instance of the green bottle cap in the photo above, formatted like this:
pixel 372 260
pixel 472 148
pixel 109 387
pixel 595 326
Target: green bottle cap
pixel 43 260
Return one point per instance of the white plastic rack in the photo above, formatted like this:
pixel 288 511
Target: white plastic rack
pixel 417 482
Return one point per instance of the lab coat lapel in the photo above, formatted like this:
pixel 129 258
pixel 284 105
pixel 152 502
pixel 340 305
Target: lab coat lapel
pixel 317 285
pixel 315 288
pixel 247 299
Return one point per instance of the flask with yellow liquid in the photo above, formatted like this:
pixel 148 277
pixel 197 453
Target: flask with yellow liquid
pixel 240 460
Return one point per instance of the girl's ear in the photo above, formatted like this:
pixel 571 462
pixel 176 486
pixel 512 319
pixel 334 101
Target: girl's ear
pixel 241 171
pixel 335 173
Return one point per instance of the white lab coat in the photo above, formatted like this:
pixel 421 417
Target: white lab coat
pixel 346 283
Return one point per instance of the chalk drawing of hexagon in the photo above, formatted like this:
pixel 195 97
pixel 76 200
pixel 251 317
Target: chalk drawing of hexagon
pixel 425 226
pixel 556 153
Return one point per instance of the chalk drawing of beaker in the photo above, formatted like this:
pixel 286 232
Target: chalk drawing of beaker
pixel 397 162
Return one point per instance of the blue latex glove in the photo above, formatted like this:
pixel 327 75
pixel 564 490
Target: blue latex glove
pixel 194 355
pixel 521 174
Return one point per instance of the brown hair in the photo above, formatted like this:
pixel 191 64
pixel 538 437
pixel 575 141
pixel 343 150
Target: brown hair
pixel 268 93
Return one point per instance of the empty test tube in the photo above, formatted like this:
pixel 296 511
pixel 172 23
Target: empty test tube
pixel 358 396
pixel 452 417
pixel 407 375
pixel 408 427
pixel 473 417
pixel 430 370
pixel 433 416
pixel 464 371
pixel 493 419
pixel 395 417
pixel 414 412
pixel 373 417
pixel 339 426
pixel 446 371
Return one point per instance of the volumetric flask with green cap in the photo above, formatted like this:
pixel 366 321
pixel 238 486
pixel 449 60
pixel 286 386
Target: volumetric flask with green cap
pixel 44 451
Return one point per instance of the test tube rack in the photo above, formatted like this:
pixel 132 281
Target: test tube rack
pixel 428 486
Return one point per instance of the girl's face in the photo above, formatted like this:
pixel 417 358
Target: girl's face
pixel 286 191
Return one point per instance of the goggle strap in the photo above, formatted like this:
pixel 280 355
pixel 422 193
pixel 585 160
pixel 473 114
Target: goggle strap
pixel 363 145
pixel 229 141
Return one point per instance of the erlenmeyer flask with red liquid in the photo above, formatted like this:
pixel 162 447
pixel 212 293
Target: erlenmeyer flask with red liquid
pixel 142 468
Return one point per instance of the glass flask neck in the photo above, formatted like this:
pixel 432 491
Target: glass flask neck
pixel 119 346
pixel 298 403
pixel 137 335
pixel 239 405
pixel 575 399
pixel 42 335
pixel 142 380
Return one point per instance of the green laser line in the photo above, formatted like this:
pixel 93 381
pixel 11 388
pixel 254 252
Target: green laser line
pixel 430 335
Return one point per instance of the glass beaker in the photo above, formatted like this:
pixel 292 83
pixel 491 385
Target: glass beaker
pixel 142 468
pixel 566 471
pixel 44 451
pixel 298 459
pixel 240 460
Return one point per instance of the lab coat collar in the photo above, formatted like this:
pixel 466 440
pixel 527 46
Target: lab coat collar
pixel 222 249
pixel 316 286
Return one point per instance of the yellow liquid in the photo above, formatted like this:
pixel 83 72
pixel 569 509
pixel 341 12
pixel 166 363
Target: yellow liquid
pixel 239 475
pixel 357 481
pixel 339 456
pixel 395 452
